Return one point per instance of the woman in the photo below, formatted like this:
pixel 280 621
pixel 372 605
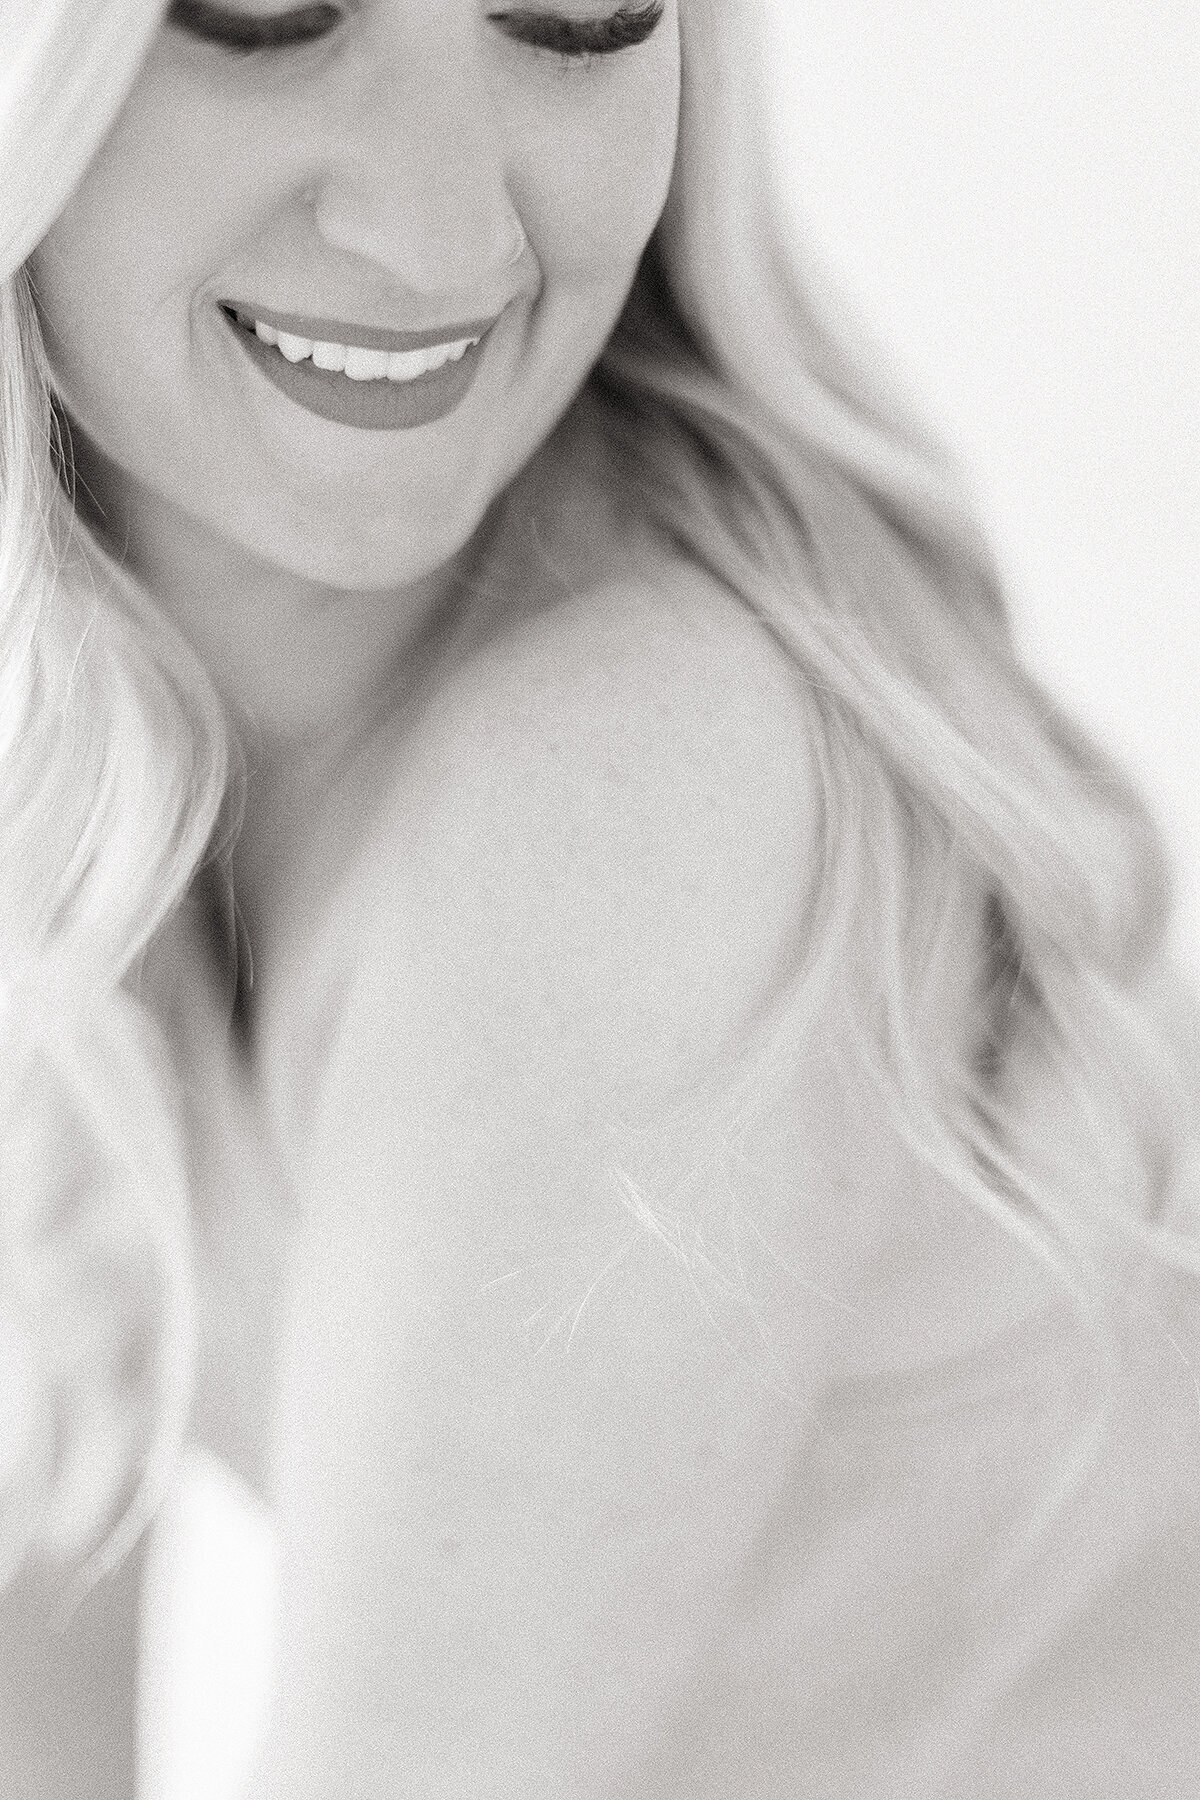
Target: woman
pixel 571 1010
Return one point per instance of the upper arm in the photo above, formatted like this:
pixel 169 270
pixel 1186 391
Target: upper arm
pixel 520 1463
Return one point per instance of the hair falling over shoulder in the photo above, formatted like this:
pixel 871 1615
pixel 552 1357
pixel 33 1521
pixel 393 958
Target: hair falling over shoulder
pixel 775 456
pixel 113 765
pixel 775 452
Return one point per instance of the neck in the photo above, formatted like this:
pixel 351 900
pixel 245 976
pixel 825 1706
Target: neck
pixel 305 670
pixel 299 663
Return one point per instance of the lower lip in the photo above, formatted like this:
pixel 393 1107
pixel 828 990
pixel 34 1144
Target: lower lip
pixel 368 405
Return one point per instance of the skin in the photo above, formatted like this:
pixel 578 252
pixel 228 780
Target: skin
pixel 374 176
pixel 68 1721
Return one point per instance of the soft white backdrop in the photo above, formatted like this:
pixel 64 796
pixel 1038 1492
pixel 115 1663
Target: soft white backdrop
pixel 1010 192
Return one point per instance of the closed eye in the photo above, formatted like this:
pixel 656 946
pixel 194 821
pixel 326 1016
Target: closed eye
pixel 621 30
pixel 245 32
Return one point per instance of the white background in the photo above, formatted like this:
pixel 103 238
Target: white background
pixel 1010 192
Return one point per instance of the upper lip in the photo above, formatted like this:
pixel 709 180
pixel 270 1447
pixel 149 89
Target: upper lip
pixel 366 337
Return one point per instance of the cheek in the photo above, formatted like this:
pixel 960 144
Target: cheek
pixel 115 274
pixel 594 180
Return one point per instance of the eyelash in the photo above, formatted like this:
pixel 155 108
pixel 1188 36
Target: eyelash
pixel 581 38
pixel 574 40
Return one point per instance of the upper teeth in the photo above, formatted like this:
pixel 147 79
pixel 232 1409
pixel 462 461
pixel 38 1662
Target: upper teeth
pixel 365 365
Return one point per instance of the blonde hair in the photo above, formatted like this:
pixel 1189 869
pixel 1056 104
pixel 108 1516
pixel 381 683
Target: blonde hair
pixel 773 457
pixel 777 455
pixel 113 764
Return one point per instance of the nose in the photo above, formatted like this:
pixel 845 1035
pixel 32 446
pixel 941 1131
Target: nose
pixel 416 180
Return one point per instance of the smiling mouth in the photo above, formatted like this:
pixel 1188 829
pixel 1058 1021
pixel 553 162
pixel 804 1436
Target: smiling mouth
pixel 362 376
pixel 359 362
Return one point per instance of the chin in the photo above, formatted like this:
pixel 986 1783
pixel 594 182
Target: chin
pixel 366 560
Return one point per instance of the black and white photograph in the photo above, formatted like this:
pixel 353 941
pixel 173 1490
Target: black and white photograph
pixel 599 900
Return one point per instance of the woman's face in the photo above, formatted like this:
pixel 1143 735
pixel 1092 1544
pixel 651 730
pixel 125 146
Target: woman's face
pixel 358 184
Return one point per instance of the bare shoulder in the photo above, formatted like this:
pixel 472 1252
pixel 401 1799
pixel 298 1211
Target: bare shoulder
pixel 504 1405
pixel 507 1399
pixel 602 827
pixel 657 685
